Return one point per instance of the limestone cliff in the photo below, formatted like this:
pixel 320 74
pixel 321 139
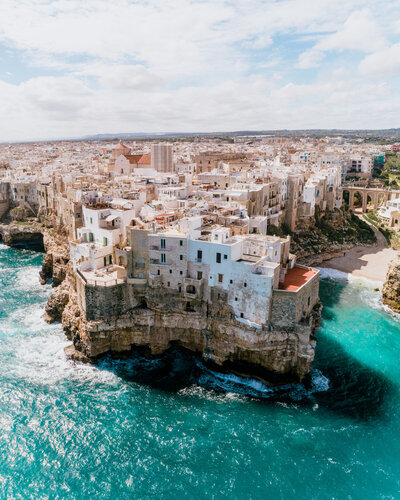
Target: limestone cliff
pixel 44 234
pixel 391 289
pixel 22 234
pixel 55 241
pixel 327 236
pixel 121 318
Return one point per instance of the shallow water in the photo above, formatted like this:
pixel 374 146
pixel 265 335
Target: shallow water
pixel 140 429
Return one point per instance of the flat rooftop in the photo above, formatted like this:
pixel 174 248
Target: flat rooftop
pixel 296 278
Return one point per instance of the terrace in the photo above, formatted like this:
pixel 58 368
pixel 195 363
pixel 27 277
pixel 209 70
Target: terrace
pixel 297 277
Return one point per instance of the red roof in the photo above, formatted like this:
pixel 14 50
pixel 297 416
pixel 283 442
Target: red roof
pixel 145 160
pixel 133 159
pixel 296 277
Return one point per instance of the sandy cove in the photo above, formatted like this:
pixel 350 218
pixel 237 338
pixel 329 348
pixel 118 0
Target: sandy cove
pixel 370 262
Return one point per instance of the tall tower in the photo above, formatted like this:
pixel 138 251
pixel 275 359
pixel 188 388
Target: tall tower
pixel 161 157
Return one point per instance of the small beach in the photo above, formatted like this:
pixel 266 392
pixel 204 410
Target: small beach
pixel 369 262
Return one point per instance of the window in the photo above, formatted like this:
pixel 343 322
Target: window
pixel 158 272
pixel 218 259
pixel 220 278
pixel 91 237
pixel 199 255
pixel 225 256
pixel 235 299
pixel 309 300
pixel 110 259
pixel 181 272
pixel 170 271
pixel 105 241
pixel 179 289
pixel 181 243
pixel 163 258
pixel 241 315
pixel 168 283
pixel 105 261
pixel 199 275
pixel 181 257
pixel 91 220
pixel 231 281
pixel 162 243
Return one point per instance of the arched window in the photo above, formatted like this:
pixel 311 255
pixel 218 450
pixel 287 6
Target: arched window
pixel 191 289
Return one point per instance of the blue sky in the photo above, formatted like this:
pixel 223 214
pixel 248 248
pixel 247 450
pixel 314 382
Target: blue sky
pixel 70 68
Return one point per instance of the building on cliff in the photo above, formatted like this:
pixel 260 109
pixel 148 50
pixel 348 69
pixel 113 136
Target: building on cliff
pixel 239 301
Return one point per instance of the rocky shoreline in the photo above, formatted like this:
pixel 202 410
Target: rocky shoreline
pixel 391 289
pixel 121 333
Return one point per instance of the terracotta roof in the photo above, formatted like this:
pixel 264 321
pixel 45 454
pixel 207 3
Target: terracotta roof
pixel 133 159
pixel 121 146
pixel 296 277
pixel 145 160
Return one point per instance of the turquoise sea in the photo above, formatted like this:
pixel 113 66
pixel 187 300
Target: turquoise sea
pixel 173 429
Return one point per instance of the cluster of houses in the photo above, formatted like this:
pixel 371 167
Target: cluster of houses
pixel 183 216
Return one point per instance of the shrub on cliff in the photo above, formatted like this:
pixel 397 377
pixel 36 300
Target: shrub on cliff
pixel 19 214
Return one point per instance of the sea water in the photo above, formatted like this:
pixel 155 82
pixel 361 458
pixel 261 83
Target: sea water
pixel 171 428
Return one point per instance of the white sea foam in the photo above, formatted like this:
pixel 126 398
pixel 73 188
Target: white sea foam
pixel 28 281
pixel 328 273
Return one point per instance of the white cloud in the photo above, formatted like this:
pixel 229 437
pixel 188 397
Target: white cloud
pixel 188 65
pixel 360 32
pixel 385 62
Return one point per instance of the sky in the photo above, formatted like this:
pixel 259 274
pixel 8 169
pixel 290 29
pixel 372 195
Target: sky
pixel 70 67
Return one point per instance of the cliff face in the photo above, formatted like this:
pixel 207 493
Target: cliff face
pixel 22 234
pixel 156 320
pixel 54 267
pixel 391 289
pixel 328 236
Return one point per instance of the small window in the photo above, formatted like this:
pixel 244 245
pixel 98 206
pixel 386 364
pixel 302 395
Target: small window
pixel 181 257
pixel 235 299
pixel 105 261
pixel 218 258
pixel 309 301
pixel 170 271
pixel 110 259
pixel 181 272
pixel 199 275
pixel 199 254
pixel 158 272
pixel 163 243
pixel 179 289
pixel 163 258
pixel 225 256
pixel 181 243
pixel 220 278
pixel 168 283
pixel 231 281
pixel 245 284
pixel 241 315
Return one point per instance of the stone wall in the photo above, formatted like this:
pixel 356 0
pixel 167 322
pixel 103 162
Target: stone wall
pixel 4 205
pixel 123 317
pixel 289 308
